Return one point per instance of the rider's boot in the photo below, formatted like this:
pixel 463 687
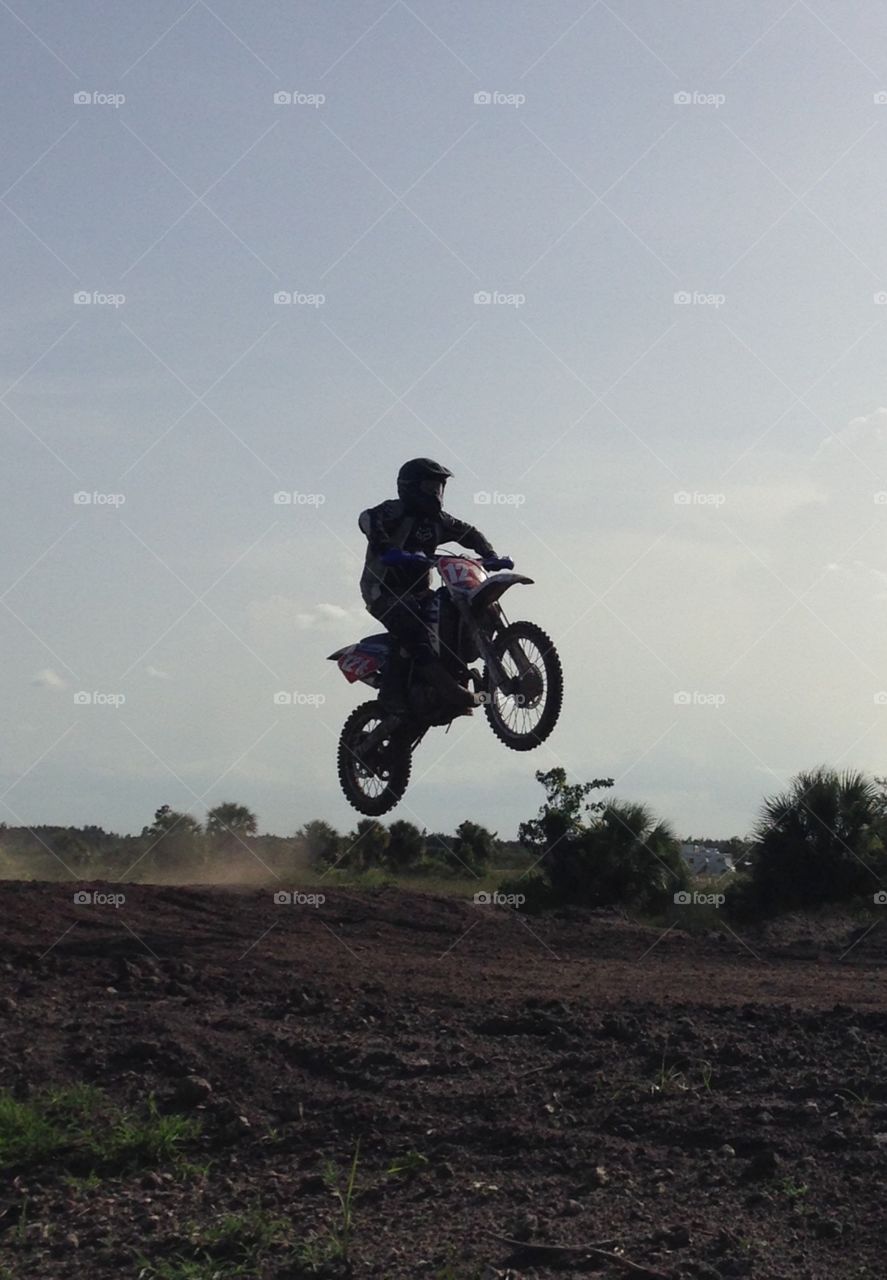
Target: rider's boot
pixel 451 692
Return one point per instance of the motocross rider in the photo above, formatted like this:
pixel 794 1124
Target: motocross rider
pixel 396 580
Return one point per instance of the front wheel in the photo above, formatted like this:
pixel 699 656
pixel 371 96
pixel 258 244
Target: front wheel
pixel 523 711
pixel 374 769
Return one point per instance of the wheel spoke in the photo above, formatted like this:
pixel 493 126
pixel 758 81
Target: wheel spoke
pixel 511 709
pixel 374 780
pixel 531 670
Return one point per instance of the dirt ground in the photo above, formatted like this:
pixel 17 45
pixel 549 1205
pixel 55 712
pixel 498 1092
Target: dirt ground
pixel 571 1095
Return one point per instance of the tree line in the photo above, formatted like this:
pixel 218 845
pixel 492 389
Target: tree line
pixel 821 841
pixel 177 844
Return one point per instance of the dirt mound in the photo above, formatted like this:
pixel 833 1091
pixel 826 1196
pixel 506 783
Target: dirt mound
pixel 520 1088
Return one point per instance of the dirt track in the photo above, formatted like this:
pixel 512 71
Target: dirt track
pixel 709 1108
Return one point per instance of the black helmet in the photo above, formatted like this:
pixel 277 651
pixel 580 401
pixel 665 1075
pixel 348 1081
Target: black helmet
pixel 420 486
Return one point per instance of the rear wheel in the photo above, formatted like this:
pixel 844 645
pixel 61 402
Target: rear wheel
pixel 374 775
pixel 523 711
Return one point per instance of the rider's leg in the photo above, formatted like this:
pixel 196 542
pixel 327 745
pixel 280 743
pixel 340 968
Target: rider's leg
pixel 409 637
pixel 447 686
pixel 405 618
pixel 393 690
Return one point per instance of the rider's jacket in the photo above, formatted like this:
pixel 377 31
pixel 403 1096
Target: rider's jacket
pixel 388 525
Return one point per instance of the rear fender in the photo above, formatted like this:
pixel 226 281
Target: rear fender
pixel 364 660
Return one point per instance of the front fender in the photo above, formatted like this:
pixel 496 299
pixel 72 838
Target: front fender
pixel 487 592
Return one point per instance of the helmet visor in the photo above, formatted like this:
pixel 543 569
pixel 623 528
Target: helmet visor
pixel 434 488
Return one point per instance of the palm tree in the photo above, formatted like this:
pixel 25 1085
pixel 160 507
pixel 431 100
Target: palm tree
pixel 406 845
pixel 367 846
pixel 321 842
pixel 173 840
pixel 229 825
pixel 624 856
pixel 645 865
pixel 819 841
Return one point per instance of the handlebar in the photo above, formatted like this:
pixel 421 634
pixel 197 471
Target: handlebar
pixel 494 562
pixel 418 558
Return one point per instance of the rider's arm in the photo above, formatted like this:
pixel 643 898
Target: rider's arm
pixel 377 529
pixel 465 534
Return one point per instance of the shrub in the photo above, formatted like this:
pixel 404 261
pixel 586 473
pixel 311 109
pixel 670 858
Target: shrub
pixel 322 842
pixel 598 853
pixel 536 891
pixel 821 841
pixel 624 857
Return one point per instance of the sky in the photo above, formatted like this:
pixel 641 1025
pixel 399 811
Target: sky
pixel 620 266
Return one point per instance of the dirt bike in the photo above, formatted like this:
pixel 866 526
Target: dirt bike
pixel 521 682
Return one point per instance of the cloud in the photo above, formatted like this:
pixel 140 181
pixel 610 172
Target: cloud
pixel 322 615
pixel 868 429
pixel 278 616
pixel 157 674
pixel 49 679
pixel 777 500
pixel 860 576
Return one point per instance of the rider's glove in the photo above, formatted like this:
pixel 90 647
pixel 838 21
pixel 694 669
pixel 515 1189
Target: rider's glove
pixel 499 562
pixel 396 556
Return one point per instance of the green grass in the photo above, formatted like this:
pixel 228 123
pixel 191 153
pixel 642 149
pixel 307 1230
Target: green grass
pixel 182 1269
pixel 456 1270
pixel 247 1232
pixel 430 879
pixel 341 1233
pixel 857 1101
pixel 243 1245
pixel 668 1079
pixel 408 1165
pixel 463 885
pixel 80 1130
pixel 792 1190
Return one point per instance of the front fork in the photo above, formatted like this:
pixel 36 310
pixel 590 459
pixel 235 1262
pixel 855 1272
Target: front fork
pixel 486 644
